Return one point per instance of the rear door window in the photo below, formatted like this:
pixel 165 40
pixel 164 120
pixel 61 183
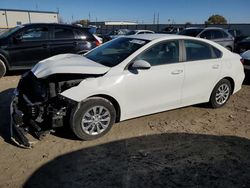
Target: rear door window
pixel 63 33
pixel 217 34
pixel 196 50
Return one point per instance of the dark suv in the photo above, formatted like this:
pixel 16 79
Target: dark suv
pixel 23 46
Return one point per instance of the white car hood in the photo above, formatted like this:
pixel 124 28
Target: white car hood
pixel 67 63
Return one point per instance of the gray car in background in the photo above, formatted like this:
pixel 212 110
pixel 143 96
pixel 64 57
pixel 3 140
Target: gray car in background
pixel 216 34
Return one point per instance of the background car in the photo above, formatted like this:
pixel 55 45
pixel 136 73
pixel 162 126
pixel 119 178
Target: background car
pixel 23 46
pixel 237 34
pixel 137 32
pixel 172 30
pixel 243 45
pixel 246 60
pixel 125 78
pixel 215 34
pixel 114 34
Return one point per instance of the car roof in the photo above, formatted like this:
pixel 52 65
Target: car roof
pixel 207 28
pixel 153 36
pixel 204 28
pixel 53 24
pixel 142 30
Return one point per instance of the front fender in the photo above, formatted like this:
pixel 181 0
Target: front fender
pixel 96 86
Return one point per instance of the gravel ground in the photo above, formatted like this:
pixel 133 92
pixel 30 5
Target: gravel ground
pixel 189 147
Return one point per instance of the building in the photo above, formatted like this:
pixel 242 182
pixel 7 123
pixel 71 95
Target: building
pixel 12 17
pixel 113 23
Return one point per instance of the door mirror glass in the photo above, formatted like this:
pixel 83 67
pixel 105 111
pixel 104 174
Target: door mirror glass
pixel 141 64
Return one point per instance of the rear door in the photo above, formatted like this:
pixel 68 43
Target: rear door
pixel 63 41
pixel 202 70
pixel 29 46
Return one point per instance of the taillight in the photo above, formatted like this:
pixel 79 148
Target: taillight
pixel 242 60
pixel 97 43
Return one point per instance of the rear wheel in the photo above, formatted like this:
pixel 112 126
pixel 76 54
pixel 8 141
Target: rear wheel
pixel 221 93
pixel 93 119
pixel 2 69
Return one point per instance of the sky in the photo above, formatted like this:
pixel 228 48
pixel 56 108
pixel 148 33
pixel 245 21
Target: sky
pixel 141 11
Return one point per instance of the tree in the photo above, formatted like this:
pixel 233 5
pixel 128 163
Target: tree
pixel 216 19
pixel 188 24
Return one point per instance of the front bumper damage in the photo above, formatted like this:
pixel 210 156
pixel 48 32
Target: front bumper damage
pixel 37 119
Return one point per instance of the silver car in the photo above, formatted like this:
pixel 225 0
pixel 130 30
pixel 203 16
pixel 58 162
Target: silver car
pixel 215 34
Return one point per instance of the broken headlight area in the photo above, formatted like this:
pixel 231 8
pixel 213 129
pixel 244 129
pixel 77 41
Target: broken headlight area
pixel 37 106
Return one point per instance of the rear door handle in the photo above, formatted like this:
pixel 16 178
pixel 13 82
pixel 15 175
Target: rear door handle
pixel 215 66
pixel 177 72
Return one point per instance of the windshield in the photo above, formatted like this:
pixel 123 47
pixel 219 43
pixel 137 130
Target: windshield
pixel 8 32
pixel 114 52
pixel 190 32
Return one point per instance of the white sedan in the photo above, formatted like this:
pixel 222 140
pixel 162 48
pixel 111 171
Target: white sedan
pixel 125 78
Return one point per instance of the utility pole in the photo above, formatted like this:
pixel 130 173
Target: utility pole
pixel 154 19
pixel 158 18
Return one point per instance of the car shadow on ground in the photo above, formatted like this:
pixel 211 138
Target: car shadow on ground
pixel 167 160
pixel 5 100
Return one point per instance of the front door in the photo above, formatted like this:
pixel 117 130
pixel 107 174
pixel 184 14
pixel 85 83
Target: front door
pixel 158 88
pixel 29 47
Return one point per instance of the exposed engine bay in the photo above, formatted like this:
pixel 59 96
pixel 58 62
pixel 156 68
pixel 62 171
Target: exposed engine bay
pixel 37 107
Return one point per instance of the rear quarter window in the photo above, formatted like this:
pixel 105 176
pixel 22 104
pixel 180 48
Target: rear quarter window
pixel 84 35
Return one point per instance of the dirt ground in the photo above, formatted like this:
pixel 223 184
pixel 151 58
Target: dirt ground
pixel 190 147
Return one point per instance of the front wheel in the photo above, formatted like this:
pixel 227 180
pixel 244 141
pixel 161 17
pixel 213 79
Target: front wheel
pixel 93 119
pixel 221 93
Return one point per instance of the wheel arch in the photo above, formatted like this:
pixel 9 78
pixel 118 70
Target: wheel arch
pixel 114 102
pixel 231 82
pixel 5 61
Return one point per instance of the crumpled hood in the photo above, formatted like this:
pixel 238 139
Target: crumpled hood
pixel 67 63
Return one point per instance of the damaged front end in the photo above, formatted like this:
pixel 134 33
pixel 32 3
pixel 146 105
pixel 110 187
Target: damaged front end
pixel 37 106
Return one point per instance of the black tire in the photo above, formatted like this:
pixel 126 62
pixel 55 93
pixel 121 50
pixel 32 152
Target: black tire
pixel 78 114
pixel 216 103
pixel 2 69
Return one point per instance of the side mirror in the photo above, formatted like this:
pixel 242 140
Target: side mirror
pixel 18 38
pixel 141 64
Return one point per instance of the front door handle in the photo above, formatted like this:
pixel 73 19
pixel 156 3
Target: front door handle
pixel 177 72
pixel 215 66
